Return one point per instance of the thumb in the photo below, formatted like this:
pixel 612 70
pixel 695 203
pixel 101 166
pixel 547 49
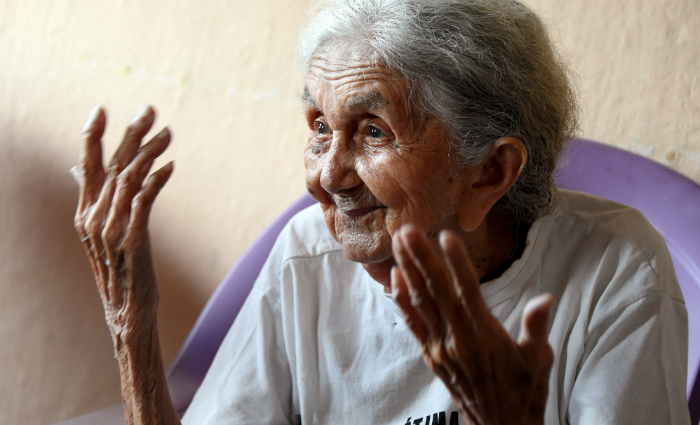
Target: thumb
pixel 533 328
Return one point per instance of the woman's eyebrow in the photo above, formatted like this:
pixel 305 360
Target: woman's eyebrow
pixel 307 98
pixel 365 102
pixel 360 102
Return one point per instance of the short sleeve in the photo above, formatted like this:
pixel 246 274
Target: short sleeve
pixel 633 366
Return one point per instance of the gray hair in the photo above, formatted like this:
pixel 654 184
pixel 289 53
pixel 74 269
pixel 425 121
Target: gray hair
pixel 486 68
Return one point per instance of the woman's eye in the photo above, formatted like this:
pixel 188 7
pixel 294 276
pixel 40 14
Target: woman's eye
pixel 321 128
pixel 375 133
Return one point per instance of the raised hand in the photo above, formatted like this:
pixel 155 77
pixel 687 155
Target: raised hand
pixel 492 379
pixel 112 218
pixel 112 221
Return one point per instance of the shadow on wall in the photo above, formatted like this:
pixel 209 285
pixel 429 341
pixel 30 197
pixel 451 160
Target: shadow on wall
pixel 54 339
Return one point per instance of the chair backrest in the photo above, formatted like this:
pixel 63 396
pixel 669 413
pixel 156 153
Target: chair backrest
pixel 197 352
pixel 670 201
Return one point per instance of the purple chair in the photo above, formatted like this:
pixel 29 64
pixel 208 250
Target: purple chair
pixel 670 201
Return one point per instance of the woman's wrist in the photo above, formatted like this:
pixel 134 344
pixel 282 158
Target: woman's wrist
pixel 144 386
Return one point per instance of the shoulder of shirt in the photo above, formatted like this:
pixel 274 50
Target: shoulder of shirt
pixel 306 236
pixel 624 228
pixel 598 211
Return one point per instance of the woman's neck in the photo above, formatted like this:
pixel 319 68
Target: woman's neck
pixel 495 245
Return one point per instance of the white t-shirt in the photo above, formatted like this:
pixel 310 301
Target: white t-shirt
pixel 319 342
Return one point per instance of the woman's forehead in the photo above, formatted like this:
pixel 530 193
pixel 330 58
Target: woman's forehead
pixel 356 84
pixel 362 100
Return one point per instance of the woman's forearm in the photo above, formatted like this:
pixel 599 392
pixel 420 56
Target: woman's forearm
pixel 112 221
pixel 144 387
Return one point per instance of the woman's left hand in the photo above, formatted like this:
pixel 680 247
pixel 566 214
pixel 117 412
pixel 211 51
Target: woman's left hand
pixel 492 379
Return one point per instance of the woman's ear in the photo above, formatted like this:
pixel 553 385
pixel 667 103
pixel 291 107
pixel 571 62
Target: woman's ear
pixel 494 176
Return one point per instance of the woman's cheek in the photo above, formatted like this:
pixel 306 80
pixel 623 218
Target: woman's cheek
pixel 409 199
pixel 313 166
pixel 376 168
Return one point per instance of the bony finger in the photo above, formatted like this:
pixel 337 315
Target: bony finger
pixel 90 162
pixel 137 170
pixel 534 327
pixel 434 351
pixel 145 113
pixel 396 283
pixel 536 317
pixel 112 235
pixel 420 296
pixel 136 131
pixel 464 277
pixel 411 276
pixel 94 118
pixel 128 184
pixel 399 289
pixel 141 164
pixel 159 178
pixel 410 262
pixel 422 253
pixel 431 286
pixel 399 292
pixel 157 144
pixel 142 122
pixel 432 268
pixel 142 202
pixel 99 212
pixel 165 132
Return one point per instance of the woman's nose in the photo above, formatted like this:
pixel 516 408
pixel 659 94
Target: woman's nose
pixel 338 171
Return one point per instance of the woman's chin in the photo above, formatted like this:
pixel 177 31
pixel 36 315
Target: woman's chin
pixel 377 262
pixel 365 247
pixel 365 256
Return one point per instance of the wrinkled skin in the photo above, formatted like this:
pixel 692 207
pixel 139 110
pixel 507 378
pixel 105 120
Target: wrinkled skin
pixel 376 166
pixel 112 219
pixel 396 202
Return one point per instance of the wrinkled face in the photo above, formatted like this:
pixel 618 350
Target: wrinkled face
pixel 371 163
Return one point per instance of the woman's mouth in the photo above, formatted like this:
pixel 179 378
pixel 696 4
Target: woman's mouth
pixel 355 212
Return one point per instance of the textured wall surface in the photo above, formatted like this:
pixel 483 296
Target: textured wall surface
pixel 638 63
pixel 222 74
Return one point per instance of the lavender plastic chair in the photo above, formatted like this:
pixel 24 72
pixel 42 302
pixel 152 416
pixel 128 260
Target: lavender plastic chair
pixel 670 201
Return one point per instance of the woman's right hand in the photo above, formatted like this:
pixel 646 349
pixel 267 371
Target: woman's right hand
pixel 112 221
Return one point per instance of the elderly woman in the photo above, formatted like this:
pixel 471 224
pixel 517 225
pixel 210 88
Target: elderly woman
pixel 435 127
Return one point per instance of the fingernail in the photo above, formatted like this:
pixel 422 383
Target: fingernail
pixel 392 284
pixel 444 241
pixel 93 114
pixel 143 113
pixel 164 132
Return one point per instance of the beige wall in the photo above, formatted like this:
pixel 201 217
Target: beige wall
pixel 223 75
